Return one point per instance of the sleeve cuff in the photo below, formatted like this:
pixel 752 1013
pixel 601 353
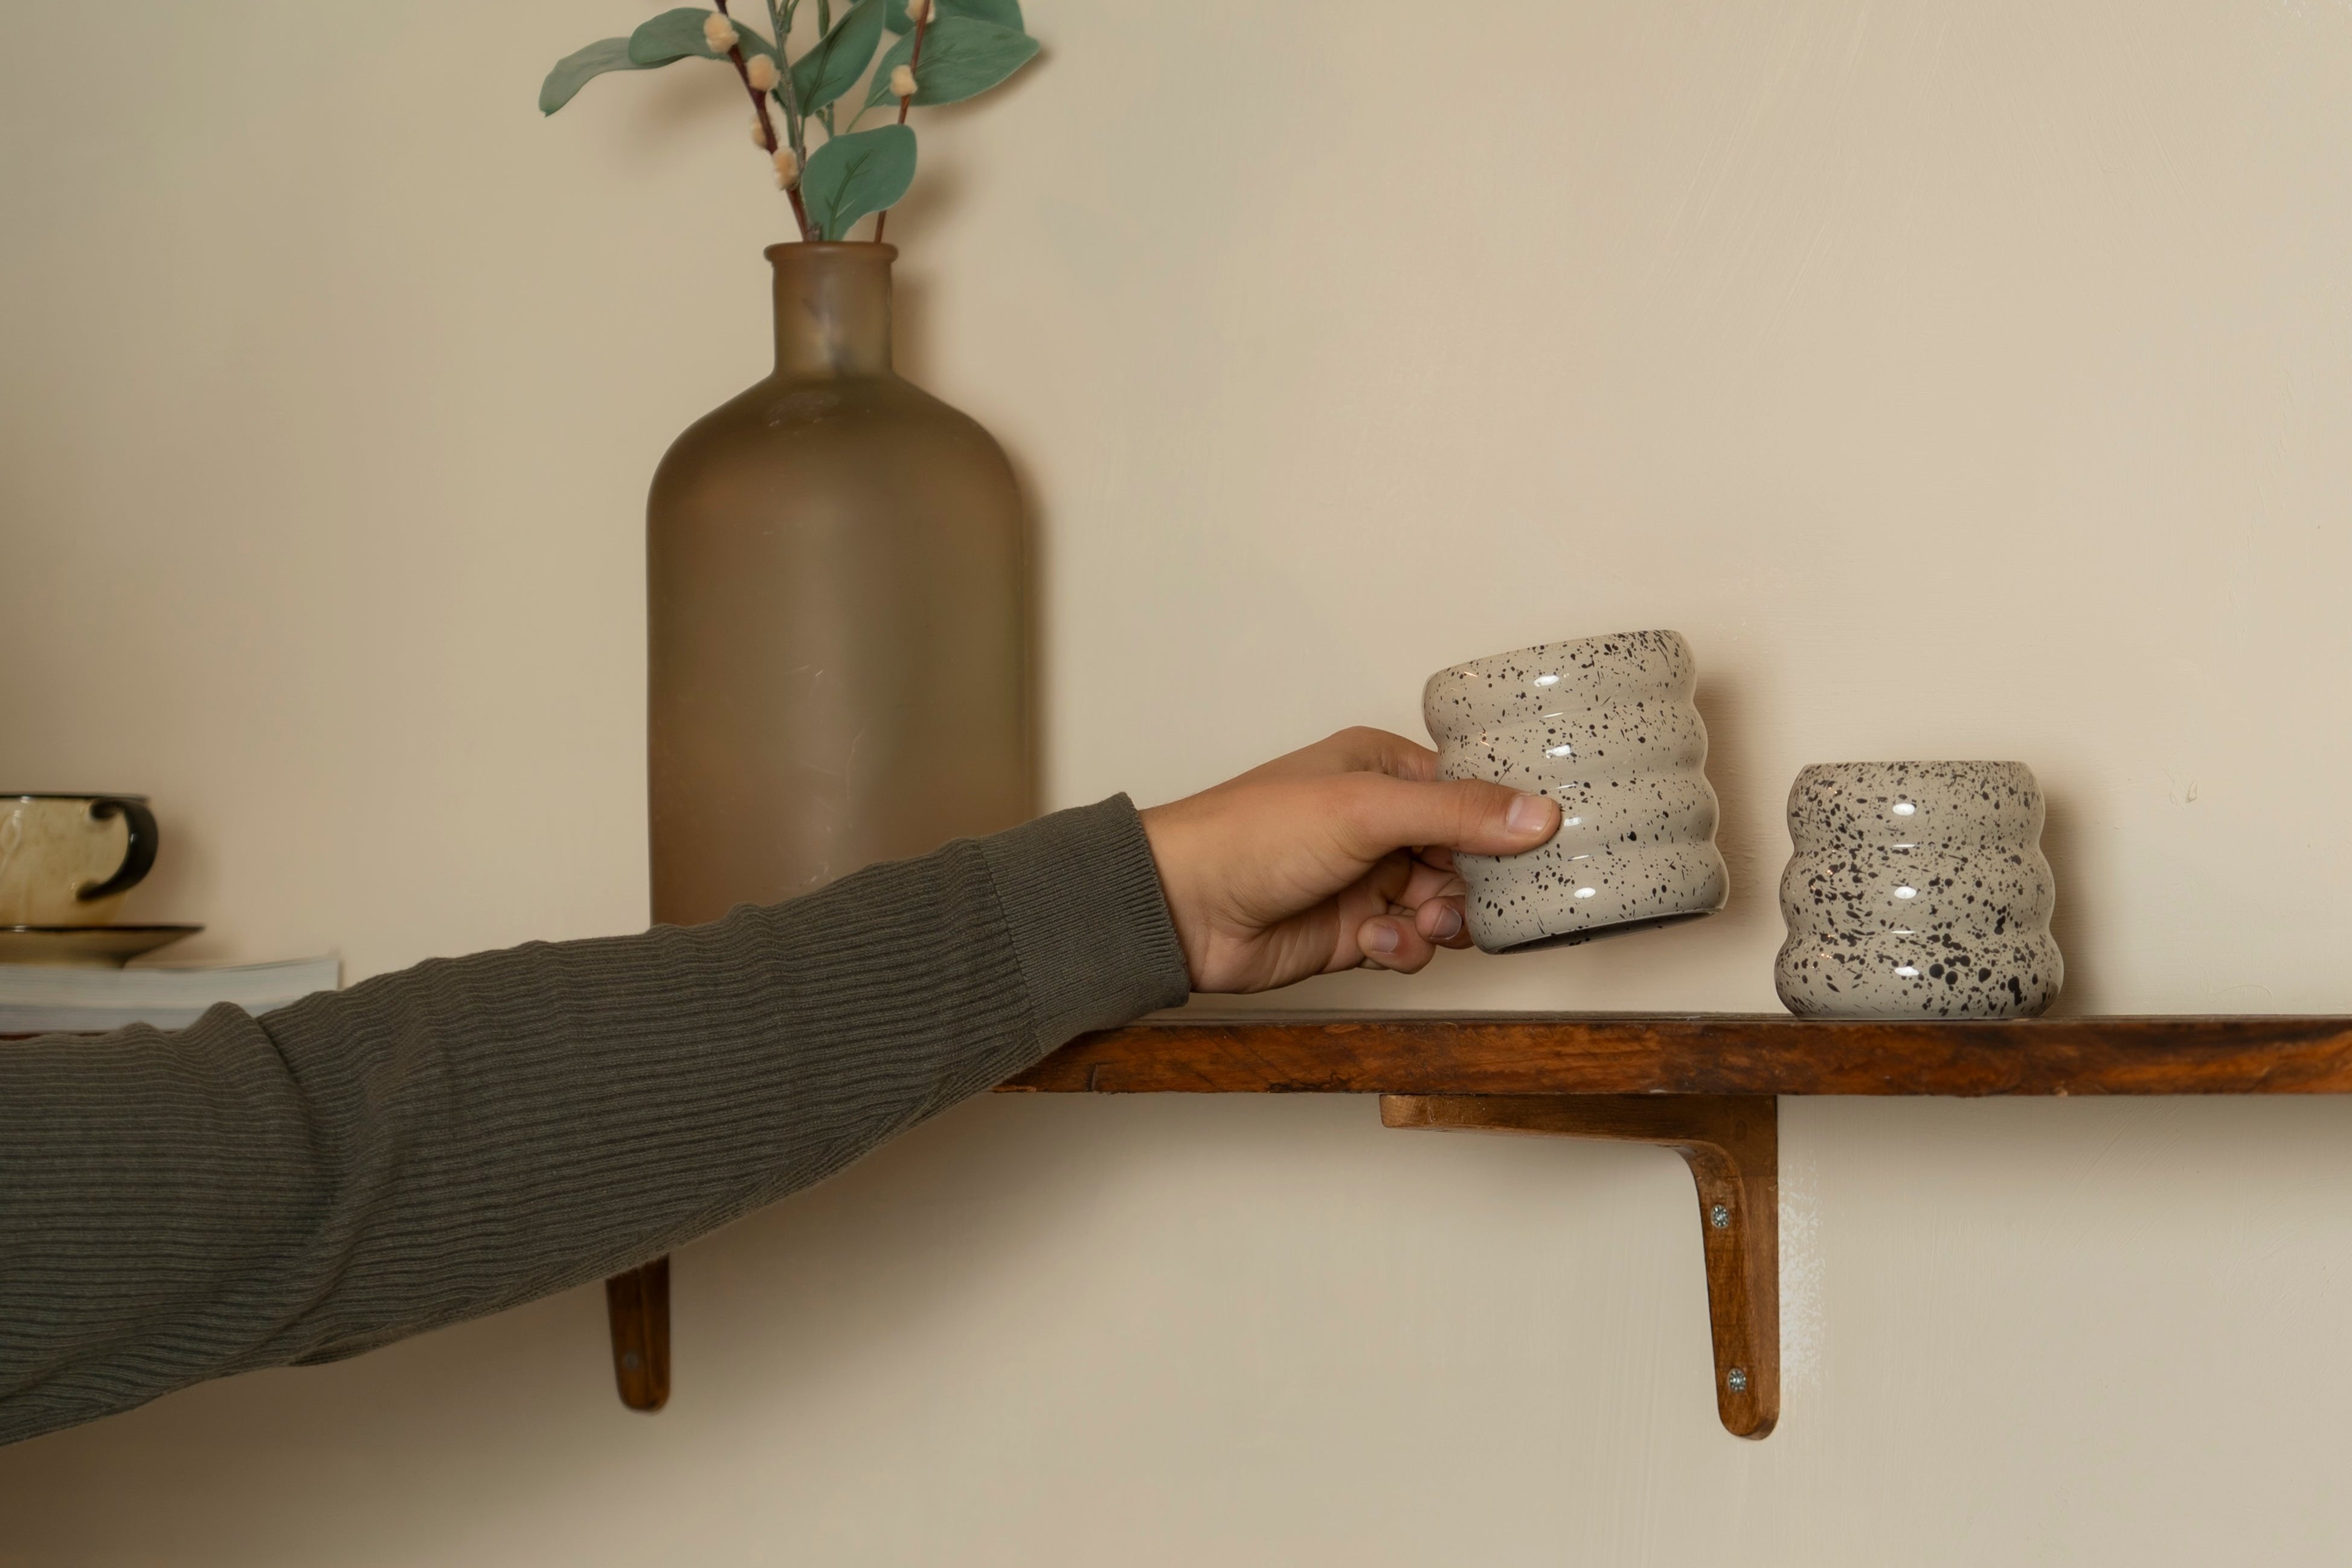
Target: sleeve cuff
pixel 1082 898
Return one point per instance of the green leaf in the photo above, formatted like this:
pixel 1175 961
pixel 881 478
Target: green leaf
pixel 676 34
pixel 575 70
pixel 1003 13
pixel 835 61
pixel 852 176
pixel 961 58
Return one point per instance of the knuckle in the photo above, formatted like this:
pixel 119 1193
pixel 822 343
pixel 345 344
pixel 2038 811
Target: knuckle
pixel 1475 806
pixel 1361 746
pixel 1347 804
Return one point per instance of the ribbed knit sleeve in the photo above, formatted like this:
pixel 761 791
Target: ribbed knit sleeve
pixel 473 1132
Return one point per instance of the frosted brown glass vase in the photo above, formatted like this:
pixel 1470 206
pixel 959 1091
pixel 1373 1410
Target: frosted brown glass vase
pixel 834 604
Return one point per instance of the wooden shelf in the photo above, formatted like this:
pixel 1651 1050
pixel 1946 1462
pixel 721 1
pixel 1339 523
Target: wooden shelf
pixel 1706 1085
pixel 1701 1053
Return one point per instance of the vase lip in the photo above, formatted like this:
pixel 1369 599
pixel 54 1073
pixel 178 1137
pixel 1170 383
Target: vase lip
pixel 847 248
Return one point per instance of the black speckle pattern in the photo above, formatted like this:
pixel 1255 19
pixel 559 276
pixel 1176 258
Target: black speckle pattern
pixel 1917 890
pixel 1606 727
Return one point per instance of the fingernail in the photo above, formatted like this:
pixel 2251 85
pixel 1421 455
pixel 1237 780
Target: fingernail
pixel 1380 936
pixel 1447 922
pixel 1530 814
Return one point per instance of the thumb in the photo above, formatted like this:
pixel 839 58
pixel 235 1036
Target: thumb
pixel 1379 813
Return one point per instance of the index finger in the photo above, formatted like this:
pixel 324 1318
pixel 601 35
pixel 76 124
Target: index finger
pixel 1360 749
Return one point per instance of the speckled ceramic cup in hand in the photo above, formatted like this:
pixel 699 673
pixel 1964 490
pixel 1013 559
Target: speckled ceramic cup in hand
pixel 1917 890
pixel 1606 727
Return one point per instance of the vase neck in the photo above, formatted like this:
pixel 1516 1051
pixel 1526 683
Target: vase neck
pixel 833 308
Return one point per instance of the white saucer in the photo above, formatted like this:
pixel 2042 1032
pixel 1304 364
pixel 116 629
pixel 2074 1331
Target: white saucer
pixel 89 947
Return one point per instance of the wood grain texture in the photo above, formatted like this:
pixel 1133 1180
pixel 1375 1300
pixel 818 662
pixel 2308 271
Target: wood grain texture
pixel 637 1303
pixel 1732 1145
pixel 1703 1053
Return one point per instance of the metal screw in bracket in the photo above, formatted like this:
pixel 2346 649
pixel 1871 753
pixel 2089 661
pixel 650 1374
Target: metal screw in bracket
pixel 1737 1379
pixel 1719 1217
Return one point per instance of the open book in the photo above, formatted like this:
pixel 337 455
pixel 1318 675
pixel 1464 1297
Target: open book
pixel 40 999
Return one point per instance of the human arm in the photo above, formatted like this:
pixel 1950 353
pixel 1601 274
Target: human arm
pixel 472 1133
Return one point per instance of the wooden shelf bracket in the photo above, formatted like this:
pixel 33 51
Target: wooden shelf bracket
pixel 637 1305
pixel 1702 1084
pixel 1731 1143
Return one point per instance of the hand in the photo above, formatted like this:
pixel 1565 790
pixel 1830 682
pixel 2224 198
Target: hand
pixel 1328 857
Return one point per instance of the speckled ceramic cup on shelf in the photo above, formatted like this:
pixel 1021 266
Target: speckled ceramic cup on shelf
pixel 1606 727
pixel 1917 890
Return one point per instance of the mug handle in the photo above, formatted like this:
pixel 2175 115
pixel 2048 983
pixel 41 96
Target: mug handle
pixel 137 856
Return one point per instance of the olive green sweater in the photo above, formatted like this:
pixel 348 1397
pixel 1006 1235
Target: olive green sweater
pixel 473 1132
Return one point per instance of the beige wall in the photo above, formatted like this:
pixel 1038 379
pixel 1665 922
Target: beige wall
pixel 1962 379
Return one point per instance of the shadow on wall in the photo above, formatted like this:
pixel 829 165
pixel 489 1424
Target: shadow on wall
pixel 2068 922
pixel 1752 857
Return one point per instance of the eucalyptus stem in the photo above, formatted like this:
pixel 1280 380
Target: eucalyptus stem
pixel 825 26
pixel 768 126
pixel 780 28
pixel 914 63
pixel 790 97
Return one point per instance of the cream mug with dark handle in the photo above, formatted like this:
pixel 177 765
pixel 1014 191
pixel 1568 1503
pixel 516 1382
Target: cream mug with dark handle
pixel 67 859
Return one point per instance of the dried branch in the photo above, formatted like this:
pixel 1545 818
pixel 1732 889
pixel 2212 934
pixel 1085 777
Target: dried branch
pixel 768 126
pixel 914 64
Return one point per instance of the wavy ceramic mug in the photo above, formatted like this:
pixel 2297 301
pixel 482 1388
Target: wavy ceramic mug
pixel 1606 727
pixel 1917 890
